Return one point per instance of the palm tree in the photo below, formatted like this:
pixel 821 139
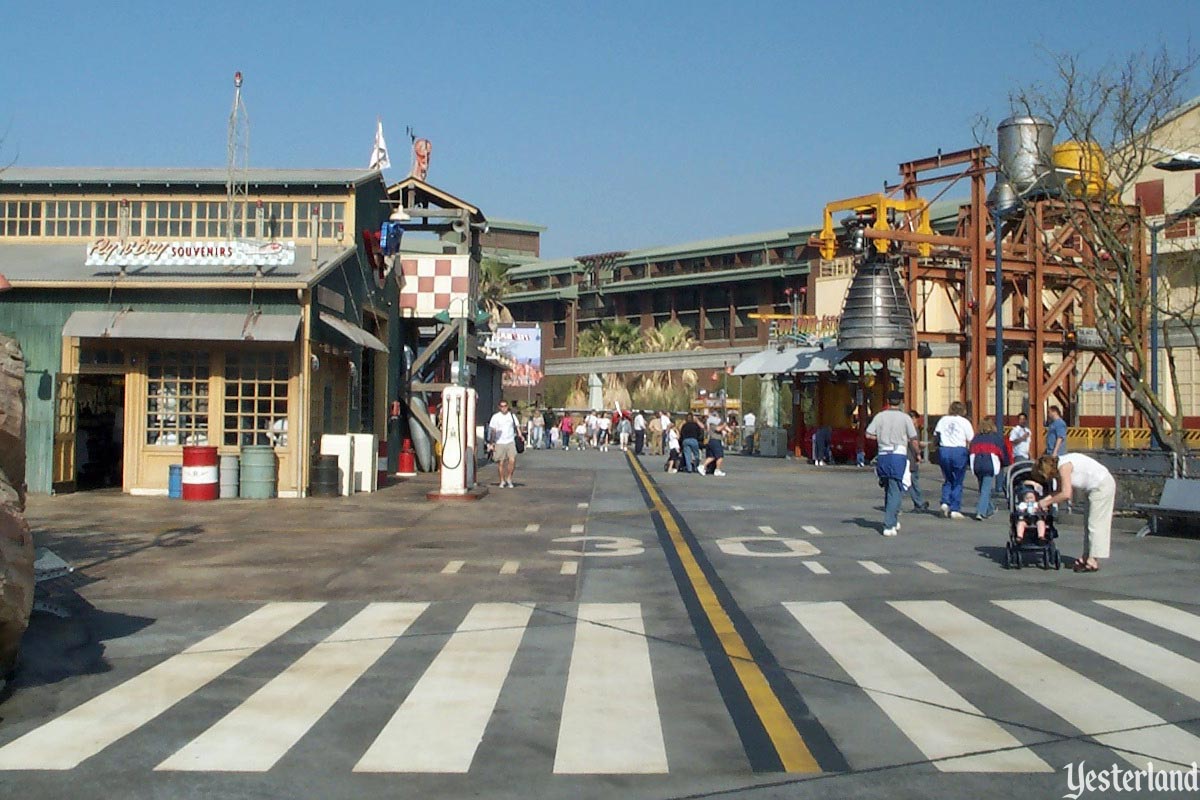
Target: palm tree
pixel 667 388
pixel 609 338
pixel 493 286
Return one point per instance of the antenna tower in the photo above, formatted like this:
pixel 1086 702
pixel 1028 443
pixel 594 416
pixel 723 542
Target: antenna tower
pixel 237 183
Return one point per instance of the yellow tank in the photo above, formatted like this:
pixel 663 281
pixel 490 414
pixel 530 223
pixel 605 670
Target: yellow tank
pixel 1086 159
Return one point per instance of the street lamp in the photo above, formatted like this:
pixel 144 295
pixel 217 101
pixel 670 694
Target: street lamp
pixel 1001 207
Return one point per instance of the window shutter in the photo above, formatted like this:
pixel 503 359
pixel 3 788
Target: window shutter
pixel 1149 195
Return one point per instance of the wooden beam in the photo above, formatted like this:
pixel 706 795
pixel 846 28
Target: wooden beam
pixel 417 386
pixel 423 419
pixel 429 352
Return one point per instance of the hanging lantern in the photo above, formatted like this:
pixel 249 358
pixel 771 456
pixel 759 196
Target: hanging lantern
pixel 876 314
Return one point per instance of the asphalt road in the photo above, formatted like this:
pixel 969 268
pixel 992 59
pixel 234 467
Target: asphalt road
pixel 602 631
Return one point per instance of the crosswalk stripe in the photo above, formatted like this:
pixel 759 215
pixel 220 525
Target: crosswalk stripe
pixel 569 568
pixel 577 528
pixel 1160 614
pixel 63 743
pixel 815 567
pixel 610 722
pixel 811 530
pixel 932 567
pixel 738 508
pixel 439 725
pixel 1146 658
pixel 768 530
pixel 452 567
pixel 583 505
pixel 510 567
pixel 1083 703
pixel 259 732
pixel 532 527
pixel 943 725
pixel 871 566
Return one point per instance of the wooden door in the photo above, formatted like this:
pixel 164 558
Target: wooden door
pixel 65 415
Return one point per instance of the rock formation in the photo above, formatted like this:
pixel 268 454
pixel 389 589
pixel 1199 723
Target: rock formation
pixel 16 542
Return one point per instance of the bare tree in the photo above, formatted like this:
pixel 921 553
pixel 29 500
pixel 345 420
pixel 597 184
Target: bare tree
pixel 1128 110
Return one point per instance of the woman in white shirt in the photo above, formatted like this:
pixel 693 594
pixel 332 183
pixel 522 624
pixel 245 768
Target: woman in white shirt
pixel 954 433
pixel 1077 471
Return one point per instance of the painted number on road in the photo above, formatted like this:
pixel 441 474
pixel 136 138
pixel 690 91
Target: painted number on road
pixel 600 546
pixel 772 547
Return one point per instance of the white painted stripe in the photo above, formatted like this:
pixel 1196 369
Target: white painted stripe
pixel 583 505
pixel 510 567
pixel 452 567
pixel 610 721
pixel 532 527
pixel 570 568
pixel 932 567
pixel 943 725
pixel 259 732
pixel 439 725
pixel 768 530
pixel 63 743
pixel 1146 658
pixel 737 508
pixel 812 530
pixel 1080 701
pixel 815 566
pixel 871 566
pixel 1160 614
pixel 577 528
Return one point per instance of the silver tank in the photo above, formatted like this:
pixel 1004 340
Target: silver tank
pixel 876 314
pixel 1026 151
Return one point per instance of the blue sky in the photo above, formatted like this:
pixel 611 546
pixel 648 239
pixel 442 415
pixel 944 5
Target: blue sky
pixel 617 125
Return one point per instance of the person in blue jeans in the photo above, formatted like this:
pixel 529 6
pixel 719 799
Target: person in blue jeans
pixel 916 455
pixel 896 434
pixel 989 456
pixel 690 434
pixel 1056 433
pixel 954 433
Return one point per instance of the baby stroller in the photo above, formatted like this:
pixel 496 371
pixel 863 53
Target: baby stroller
pixel 1014 552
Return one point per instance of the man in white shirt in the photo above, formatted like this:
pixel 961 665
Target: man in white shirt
pixel 502 439
pixel 664 421
pixel 639 433
pixel 604 428
pixel 748 423
pixel 1019 438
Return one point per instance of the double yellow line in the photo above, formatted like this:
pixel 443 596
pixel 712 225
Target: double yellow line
pixel 789 745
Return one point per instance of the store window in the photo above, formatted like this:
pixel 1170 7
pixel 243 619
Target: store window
pixel 21 218
pixel 177 397
pixel 68 218
pixel 256 398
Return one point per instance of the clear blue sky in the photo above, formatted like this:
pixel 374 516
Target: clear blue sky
pixel 617 125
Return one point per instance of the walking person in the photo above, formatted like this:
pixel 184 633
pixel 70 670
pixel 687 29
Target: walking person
pixel 1056 433
pixel 566 427
pixel 674 458
pixel 748 423
pixel 537 430
pixel 639 433
pixel 1019 439
pixel 916 455
pixel 822 446
pixel 690 434
pixel 503 431
pixel 954 433
pixel 1075 471
pixel 665 421
pixel 988 455
pixel 895 433
pixel 604 426
pixel 624 432
pixel 714 449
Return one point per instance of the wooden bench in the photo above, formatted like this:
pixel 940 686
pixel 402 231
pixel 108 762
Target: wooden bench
pixel 1180 500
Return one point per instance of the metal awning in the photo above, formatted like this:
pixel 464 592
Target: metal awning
pixel 352 332
pixel 177 325
pixel 791 360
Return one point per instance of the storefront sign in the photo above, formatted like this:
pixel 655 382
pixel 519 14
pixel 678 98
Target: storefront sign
pixel 520 350
pixel 147 252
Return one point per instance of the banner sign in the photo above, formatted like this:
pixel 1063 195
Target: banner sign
pixel 520 349
pixel 149 253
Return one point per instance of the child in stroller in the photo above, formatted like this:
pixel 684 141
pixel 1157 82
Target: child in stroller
pixel 1023 496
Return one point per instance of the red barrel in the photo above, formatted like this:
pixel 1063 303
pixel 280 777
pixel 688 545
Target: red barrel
pixel 381 465
pixel 199 473
pixel 407 466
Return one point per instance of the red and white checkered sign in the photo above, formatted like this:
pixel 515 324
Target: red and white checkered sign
pixel 432 284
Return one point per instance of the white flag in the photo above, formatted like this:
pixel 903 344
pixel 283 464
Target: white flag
pixel 379 153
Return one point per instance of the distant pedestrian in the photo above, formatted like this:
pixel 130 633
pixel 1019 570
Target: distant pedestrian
pixel 822 446
pixel 1056 433
pixel 566 427
pixel 916 456
pixel 714 450
pixel 665 421
pixel 954 433
pixel 537 430
pixel 988 455
pixel 895 433
pixel 690 436
pixel 639 433
pixel 1019 438
pixel 624 432
pixel 503 431
pixel 749 421
pixel 604 426
pixel 674 456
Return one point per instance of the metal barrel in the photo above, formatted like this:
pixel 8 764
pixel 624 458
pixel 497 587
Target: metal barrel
pixel 325 477
pixel 175 481
pixel 229 476
pixel 258 472
pixel 199 472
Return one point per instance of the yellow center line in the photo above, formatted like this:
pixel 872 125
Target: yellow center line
pixel 789 744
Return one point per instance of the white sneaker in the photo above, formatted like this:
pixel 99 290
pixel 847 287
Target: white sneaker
pixel 956 515
pixel 700 472
pixel 719 474
pixel 890 531
pixel 897 525
pixel 945 510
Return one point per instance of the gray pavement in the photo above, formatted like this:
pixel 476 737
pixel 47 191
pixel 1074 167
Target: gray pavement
pixel 911 667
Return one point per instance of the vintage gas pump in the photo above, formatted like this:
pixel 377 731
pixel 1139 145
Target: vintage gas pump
pixel 458 439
